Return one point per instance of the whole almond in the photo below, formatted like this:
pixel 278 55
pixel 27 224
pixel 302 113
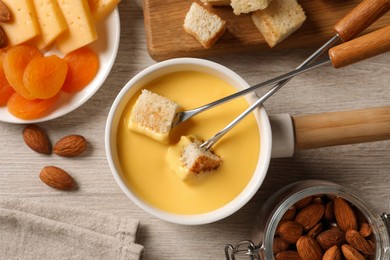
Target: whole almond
pixel 351 253
pixel 279 245
pixel 70 146
pixel 57 178
pixel 317 199
pixel 332 253
pixel 36 138
pixel 5 13
pixel 303 202
pixel 329 213
pixel 315 230
pixel 287 255
pixel 356 240
pixel 365 229
pixel 289 231
pixel 309 216
pixel 290 213
pixel 3 38
pixel 331 237
pixel 345 217
pixel 308 248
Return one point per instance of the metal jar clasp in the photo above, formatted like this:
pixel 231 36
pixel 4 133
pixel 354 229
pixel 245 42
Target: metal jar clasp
pixel 386 218
pixel 245 247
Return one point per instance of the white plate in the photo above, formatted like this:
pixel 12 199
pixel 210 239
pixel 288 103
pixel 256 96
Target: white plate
pixel 107 47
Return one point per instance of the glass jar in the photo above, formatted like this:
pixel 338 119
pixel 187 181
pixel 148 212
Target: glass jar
pixel 260 247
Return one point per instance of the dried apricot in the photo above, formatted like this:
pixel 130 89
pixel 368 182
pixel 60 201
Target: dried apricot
pixel 44 76
pixel 6 92
pixel 5 88
pixel 83 65
pixel 15 62
pixel 30 109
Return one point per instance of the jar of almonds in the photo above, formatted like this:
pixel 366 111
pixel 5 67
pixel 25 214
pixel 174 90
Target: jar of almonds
pixel 315 219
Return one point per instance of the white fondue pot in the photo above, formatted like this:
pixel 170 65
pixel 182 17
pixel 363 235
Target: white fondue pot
pixel 280 135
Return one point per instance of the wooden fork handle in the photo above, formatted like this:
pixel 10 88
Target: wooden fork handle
pixel 361 48
pixel 361 17
pixel 337 128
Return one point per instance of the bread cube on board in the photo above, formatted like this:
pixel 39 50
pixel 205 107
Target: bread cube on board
pixel 247 6
pixel 204 25
pixel 279 20
pixel 152 115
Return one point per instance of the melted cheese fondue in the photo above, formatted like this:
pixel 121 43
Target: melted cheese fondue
pixel 143 160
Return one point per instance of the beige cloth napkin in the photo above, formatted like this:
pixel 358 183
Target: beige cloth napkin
pixel 32 230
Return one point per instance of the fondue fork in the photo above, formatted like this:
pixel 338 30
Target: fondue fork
pixel 358 19
pixel 347 53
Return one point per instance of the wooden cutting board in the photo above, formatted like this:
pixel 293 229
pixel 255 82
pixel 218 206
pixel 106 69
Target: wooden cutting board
pixel 166 37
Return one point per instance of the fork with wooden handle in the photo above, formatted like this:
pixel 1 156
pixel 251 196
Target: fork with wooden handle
pixel 355 22
pixel 347 53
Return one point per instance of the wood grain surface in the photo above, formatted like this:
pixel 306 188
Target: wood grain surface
pixel 363 168
pixel 170 40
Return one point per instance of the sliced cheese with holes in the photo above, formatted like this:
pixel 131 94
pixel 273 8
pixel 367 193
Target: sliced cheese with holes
pixel 102 8
pixel 51 21
pixel 81 27
pixel 24 23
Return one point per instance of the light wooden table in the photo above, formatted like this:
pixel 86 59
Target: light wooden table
pixel 362 167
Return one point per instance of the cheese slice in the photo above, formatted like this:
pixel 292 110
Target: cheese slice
pixel 51 21
pixel 24 24
pixel 102 8
pixel 81 27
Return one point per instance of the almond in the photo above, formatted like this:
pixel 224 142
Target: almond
pixel 329 213
pixel 279 245
pixel 309 216
pixel 356 240
pixel 332 253
pixel 351 253
pixel 365 229
pixel 317 200
pixel 308 248
pixel 36 138
pixel 315 230
pixel 5 13
pixel 57 178
pixel 345 217
pixel 3 38
pixel 288 255
pixel 289 231
pixel 70 146
pixel 290 213
pixel 303 202
pixel 330 237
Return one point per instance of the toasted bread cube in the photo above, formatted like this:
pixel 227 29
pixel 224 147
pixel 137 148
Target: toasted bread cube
pixel 152 115
pixel 204 25
pixel 188 160
pixel 279 20
pixel 247 6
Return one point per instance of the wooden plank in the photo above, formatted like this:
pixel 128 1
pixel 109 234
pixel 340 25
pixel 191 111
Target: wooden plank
pixel 166 37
